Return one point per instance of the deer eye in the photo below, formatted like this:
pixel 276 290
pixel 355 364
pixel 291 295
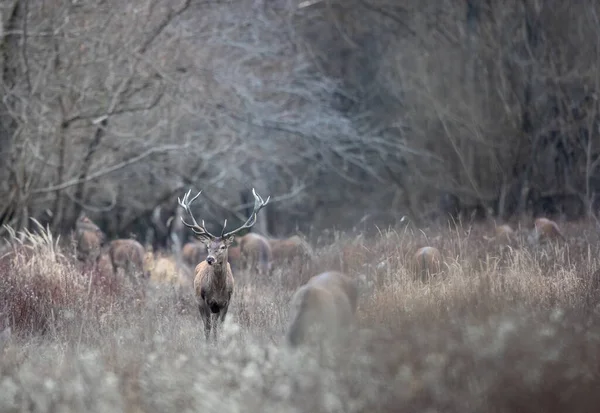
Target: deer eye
pixel 222 247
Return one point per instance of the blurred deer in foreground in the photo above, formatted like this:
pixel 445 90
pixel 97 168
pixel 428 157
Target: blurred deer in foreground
pixel 322 308
pixel 90 239
pixel 213 281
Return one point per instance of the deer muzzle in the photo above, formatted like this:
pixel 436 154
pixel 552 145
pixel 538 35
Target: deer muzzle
pixel 210 260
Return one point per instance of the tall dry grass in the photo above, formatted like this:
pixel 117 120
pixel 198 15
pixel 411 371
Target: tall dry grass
pixel 503 329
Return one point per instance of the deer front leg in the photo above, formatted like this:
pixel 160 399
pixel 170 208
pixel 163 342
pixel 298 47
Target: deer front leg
pixel 216 327
pixel 207 320
pixel 223 313
pixel 220 318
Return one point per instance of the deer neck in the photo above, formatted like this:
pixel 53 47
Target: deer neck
pixel 220 271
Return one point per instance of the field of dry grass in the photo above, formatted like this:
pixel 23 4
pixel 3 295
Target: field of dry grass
pixel 503 329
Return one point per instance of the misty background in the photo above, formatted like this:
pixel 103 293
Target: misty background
pixel 347 113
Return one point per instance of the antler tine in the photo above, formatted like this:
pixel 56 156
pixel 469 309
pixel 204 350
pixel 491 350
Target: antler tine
pixel 206 231
pixel 224 226
pixel 259 204
pixel 185 204
pixel 194 226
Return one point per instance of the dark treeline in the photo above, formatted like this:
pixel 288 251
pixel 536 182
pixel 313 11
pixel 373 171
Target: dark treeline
pixel 345 112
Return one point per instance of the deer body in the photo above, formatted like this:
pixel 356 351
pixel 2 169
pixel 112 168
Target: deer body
pixel 192 253
pixel 90 239
pixel 213 285
pixel 545 229
pixel 256 252
pixel 322 308
pixel 127 254
pixel 285 250
pixel 427 262
pixel 504 233
pixel 213 281
pixel 234 256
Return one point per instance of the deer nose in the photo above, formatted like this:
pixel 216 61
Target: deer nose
pixel 210 260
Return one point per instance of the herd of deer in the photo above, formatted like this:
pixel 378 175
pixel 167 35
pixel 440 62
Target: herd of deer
pixel 332 294
pixel 325 304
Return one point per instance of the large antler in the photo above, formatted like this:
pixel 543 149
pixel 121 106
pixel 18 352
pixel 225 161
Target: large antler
pixel 258 205
pixel 185 203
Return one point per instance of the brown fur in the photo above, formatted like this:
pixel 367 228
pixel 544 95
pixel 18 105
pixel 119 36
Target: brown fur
pixel 235 256
pixel 545 230
pixel 287 249
pixel 256 253
pixel 427 262
pixel 104 266
pixel 129 255
pixel 213 285
pixel 90 239
pixel 324 306
pixel 504 233
pixel 192 253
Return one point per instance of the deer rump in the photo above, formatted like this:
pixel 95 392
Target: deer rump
pixel 321 309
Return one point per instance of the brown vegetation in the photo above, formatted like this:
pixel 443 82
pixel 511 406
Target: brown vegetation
pixel 165 270
pixel 492 320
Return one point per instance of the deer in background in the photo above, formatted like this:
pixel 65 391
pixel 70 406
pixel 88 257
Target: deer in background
pixel 256 253
pixel 128 254
pixel 544 230
pixel 213 281
pixel 427 262
pixel 287 249
pixel 90 239
pixel 192 253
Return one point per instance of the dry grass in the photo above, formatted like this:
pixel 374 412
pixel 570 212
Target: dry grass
pixel 503 329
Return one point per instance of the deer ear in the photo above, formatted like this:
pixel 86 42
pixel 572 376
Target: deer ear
pixel 229 240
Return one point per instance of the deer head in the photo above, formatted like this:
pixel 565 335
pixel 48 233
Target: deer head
pixel 217 245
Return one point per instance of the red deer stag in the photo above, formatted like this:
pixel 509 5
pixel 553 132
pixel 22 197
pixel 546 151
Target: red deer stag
pixel 322 308
pixel 213 281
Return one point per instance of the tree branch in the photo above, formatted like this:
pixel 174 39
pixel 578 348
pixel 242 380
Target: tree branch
pixel 110 169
